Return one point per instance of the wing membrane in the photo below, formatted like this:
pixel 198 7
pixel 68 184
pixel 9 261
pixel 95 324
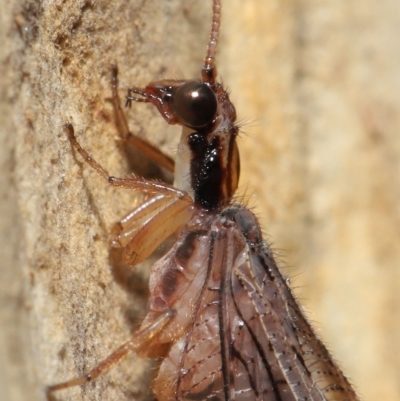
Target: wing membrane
pixel 239 334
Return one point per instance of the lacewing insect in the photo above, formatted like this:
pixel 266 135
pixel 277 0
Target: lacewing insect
pixel 221 316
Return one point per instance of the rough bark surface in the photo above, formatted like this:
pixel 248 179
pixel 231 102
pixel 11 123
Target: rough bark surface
pixel 319 82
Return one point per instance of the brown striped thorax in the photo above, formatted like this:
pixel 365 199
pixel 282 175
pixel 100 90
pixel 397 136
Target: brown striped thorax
pixel 221 317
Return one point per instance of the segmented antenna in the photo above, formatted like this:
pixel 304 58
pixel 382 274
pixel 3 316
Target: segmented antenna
pixel 209 71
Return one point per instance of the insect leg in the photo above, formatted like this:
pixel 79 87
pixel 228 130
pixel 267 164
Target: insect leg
pixel 154 154
pixel 137 342
pixel 150 224
pixel 134 183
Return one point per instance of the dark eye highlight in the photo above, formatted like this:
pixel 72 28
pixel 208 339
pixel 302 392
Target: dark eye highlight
pixel 195 104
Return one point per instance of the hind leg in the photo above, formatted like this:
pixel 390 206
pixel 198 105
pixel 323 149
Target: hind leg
pixel 137 343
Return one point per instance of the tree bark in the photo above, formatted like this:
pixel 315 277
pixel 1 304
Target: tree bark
pixel 319 83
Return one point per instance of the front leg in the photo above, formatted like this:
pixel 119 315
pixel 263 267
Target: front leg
pixel 154 154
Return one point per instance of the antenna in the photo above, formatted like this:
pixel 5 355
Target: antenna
pixel 209 71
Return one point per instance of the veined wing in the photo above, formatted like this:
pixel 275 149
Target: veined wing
pixel 274 353
pixel 239 334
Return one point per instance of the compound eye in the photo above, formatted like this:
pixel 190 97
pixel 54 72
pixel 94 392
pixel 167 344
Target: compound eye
pixel 195 104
